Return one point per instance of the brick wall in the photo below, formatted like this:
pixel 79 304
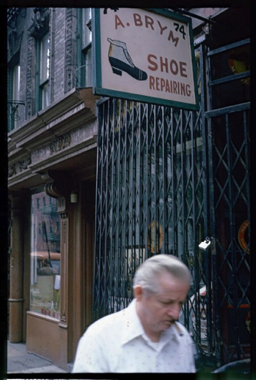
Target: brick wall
pixel 63 29
pixel 58 29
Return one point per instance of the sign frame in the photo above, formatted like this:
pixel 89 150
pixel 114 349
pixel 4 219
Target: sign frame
pixel 99 89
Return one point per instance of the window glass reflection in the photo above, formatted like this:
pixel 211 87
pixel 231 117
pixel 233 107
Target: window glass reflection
pixel 45 256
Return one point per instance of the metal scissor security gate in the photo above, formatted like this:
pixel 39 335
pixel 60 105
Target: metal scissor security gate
pixel 150 199
pixel 230 218
pixel 229 142
pixel 166 179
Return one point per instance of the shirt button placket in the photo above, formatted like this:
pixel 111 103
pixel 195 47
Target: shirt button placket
pixel 156 363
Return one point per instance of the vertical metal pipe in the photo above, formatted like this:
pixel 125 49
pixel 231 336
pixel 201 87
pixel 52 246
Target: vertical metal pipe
pixel 173 184
pixel 105 257
pixel 154 174
pixel 16 271
pixel 214 271
pixel 183 184
pixel 247 165
pixel 206 227
pixel 148 176
pixel 232 245
pixel 133 186
pixel 126 184
pixel 164 179
pixel 140 200
pixel 119 204
pixel 111 213
pixel 194 211
pixel 95 311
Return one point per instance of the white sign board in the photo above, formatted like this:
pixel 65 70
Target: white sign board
pixel 144 55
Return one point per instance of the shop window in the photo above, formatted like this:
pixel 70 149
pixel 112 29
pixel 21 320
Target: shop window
pixel 84 70
pixel 45 259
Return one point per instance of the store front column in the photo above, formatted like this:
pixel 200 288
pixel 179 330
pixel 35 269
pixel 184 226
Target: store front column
pixel 16 271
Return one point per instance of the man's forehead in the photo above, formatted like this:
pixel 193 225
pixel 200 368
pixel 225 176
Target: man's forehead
pixel 168 282
pixel 166 276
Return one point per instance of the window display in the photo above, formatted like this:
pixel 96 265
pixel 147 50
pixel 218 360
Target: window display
pixel 45 258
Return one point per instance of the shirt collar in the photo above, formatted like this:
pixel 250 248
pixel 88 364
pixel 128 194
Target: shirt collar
pixel 133 327
pixel 171 333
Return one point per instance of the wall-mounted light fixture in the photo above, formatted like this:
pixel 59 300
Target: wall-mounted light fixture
pixel 73 197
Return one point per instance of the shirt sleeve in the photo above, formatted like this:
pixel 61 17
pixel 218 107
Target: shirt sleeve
pixel 90 356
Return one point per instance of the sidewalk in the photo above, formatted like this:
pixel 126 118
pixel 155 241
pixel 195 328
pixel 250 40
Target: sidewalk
pixel 20 361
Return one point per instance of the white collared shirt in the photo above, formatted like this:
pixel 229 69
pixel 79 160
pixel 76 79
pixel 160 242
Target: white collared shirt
pixel 118 343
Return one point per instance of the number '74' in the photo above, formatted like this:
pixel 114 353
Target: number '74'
pixel 180 28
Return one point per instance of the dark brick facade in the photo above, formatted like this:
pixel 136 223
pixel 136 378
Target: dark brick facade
pixel 62 26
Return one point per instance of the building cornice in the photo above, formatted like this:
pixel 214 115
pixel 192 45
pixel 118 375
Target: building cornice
pixel 63 131
pixel 54 119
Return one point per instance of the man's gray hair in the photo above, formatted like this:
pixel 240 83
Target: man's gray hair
pixel 149 272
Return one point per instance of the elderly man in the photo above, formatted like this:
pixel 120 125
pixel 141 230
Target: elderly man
pixel 144 337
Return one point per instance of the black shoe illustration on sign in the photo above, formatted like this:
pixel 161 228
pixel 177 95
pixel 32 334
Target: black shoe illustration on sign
pixel 120 60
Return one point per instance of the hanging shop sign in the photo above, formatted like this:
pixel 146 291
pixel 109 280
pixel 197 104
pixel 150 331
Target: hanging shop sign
pixel 144 55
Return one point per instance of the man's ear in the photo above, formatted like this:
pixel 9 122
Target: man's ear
pixel 138 292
